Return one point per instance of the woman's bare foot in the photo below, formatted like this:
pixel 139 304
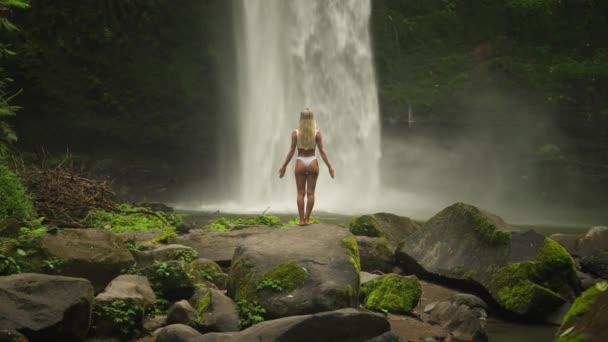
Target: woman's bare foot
pixel 306 222
pixel 302 223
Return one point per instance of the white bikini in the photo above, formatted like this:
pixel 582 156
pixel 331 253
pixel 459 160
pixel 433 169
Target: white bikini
pixel 307 160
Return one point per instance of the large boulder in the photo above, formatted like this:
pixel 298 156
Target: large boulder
pixel 586 319
pixel 163 253
pixel 128 294
pixel 182 313
pixel 463 322
pixel 593 242
pixel 206 271
pixel 177 333
pixel 392 227
pixel 297 270
pixel 391 293
pixel 170 279
pixel 525 273
pixel 375 254
pixel 596 264
pixel 218 247
pixel 94 254
pixel 215 310
pixel 44 307
pixel 336 326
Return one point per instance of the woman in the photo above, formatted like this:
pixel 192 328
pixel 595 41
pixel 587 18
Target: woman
pixel 306 138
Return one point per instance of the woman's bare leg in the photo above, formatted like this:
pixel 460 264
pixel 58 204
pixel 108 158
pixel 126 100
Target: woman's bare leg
pixel 300 173
pixel 311 183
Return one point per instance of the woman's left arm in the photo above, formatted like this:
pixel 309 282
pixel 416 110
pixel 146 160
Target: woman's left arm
pixel 292 150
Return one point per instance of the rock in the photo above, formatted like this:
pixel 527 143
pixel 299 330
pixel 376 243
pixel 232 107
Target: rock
pixel 94 254
pixel 586 319
pixel 182 313
pixel 295 270
pixel 392 227
pixel 128 294
pixel 596 264
pixel 595 241
pixel 587 280
pixel 386 337
pixel 205 270
pixel 216 311
pixel 163 253
pixel 392 293
pixel 131 288
pixel 218 247
pixel 464 323
pixel 525 273
pixel 170 279
pixel 140 236
pixel 340 325
pixel 153 323
pixel 365 277
pixel 177 333
pixel 568 241
pixel 375 254
pixel 469 300
pixel 45 307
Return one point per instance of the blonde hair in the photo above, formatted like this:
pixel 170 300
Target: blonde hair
pixel 307 131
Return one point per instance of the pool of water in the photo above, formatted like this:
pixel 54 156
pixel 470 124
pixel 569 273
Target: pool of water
pixel 501 331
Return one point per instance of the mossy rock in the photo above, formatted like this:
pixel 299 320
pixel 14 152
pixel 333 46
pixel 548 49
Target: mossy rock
pixel 205 270
pixel 392 293
pixel 585 321
pixel 365 225
pixel 215 311
pixel 526 273
pixel 170 279
pixel 293 271
pixel 375 254
pixel 596 264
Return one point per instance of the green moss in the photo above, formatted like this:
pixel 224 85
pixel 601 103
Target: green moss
pixel 169 279
pixel 185 255
pixel 168 236
pixel 469 274
pixel 542 284
pixel 345 296
pixel 582 304
pixel 223 224
pixel 573 336
pixel 365 225
pixel 487 231
pixel 350 243
pixel 382 249
pixel 128 220
pixel 391 293
pixel 204 269
pixel 203 303
pixel 288 276
pixel 241 280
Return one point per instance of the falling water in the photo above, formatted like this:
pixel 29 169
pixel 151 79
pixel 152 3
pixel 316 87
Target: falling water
pixel 307 53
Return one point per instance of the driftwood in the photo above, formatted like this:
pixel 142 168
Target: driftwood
pixel 66 198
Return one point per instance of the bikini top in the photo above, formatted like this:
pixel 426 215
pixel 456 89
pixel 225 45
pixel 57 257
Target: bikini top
pixel 298 134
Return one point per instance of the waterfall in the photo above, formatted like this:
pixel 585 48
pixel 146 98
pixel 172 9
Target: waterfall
pixel 293 54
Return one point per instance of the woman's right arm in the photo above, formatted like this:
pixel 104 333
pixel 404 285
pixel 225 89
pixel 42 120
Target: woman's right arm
pixel 323 152
pixel 290 153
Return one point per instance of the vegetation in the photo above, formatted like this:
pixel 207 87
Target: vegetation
pixel 131 218
pixel 122 314
pixel 204 270
pixel 170 279
pixel 15 202
pixel 8 265
pixel 392 293
pixel 250 313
